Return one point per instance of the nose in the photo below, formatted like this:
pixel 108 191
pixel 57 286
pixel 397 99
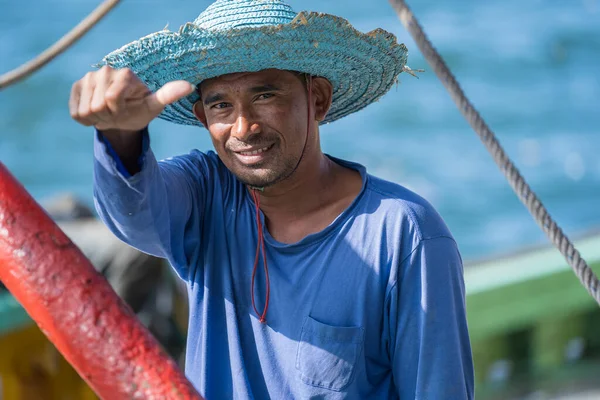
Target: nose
pixel 244 127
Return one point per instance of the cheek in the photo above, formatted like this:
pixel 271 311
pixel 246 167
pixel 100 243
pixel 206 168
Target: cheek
pixel 291 120
pixel 297 110
pixel 218 135
pixel 297 122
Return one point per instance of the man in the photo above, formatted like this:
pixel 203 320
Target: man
pixel 307 277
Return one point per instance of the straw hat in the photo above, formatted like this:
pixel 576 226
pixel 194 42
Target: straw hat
pixel 251 35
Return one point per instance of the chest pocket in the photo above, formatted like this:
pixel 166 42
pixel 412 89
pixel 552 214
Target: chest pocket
pixel 327 354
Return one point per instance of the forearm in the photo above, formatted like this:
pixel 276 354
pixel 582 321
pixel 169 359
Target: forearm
pixel 158 209
pixel 128 204
pixel 127 146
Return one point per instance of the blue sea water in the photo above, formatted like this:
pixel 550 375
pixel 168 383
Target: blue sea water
pixel 531 67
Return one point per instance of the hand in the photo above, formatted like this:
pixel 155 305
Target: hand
pixel 112 99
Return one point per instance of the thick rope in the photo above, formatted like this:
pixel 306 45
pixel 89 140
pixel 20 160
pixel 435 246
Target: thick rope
pixel 521 188
pixel 57 48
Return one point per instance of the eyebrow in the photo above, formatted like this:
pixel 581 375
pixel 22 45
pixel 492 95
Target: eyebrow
pixel 213 98
pixel 264 88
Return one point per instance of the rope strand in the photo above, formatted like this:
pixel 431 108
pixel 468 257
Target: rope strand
pixel 524 192
pixel 57 48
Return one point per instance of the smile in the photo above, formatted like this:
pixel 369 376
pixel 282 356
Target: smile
pixel 255 156
pixel 254 152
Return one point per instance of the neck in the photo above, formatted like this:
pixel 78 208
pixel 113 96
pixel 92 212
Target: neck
pixel 303 192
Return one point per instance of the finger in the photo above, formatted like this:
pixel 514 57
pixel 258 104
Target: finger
pixel 102 80
pixel 169 93
pixel 123 86
pixel 74 100
pixel 98 105
pixel 87 90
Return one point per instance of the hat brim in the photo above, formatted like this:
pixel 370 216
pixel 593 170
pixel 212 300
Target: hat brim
pixel 362 67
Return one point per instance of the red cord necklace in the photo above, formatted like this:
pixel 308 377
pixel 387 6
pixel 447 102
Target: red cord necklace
pixel 260 245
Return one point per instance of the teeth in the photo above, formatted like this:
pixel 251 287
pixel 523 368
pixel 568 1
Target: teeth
pixel 255 152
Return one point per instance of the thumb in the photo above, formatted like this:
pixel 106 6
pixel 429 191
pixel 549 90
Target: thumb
pixel 169 93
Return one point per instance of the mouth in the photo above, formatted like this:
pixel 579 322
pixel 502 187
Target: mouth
pixel 253 156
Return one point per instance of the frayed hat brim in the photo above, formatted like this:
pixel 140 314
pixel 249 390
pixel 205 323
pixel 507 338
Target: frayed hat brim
pixel 362 67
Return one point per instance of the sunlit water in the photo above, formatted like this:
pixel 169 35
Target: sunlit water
pixel 531 67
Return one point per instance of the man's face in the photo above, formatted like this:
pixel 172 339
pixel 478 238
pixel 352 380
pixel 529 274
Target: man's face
pixel 257 122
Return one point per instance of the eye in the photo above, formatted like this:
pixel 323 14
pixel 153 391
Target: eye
pixel 264 96
pixel 220 105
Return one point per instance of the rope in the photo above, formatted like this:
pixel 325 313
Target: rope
pixel 521 188
pixel 57 48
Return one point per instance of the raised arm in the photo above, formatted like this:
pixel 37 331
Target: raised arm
pixel 120 105
pixel 145 203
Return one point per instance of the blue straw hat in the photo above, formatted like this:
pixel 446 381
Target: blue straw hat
pixel 252 35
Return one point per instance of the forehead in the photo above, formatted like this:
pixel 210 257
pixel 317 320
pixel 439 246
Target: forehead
pixel 241 80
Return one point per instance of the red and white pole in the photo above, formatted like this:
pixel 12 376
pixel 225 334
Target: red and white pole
pixel 77 309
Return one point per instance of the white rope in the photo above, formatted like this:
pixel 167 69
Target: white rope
pixel 521 188
pixel 57 48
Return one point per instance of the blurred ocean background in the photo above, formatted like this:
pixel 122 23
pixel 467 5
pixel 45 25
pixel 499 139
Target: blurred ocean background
pixel 531 67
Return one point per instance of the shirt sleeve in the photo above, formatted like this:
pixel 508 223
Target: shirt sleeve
pixel 429 341
pixel 159 209
pixel 118 162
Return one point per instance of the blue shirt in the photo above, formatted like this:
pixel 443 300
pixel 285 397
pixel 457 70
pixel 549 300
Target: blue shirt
pixel 371 307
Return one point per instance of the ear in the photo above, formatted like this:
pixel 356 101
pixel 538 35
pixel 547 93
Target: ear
pixel 198 109
pixel 322 91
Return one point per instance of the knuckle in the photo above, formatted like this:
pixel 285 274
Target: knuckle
pixel 97 107
pixel 115 99
pixel 75 94
pixel 125 72
pixel 112 94
pixel 108 72
pixel 127 75
pixel 75 87
pixel 88 79
pixel 83 121
pixel 83 111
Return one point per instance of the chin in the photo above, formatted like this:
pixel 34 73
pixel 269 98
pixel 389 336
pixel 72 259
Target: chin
pixel 258 179
pixel 262 175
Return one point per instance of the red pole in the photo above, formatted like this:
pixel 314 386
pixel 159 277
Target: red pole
pixel 76 307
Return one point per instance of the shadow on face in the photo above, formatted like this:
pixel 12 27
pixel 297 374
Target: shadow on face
pixel 258 121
